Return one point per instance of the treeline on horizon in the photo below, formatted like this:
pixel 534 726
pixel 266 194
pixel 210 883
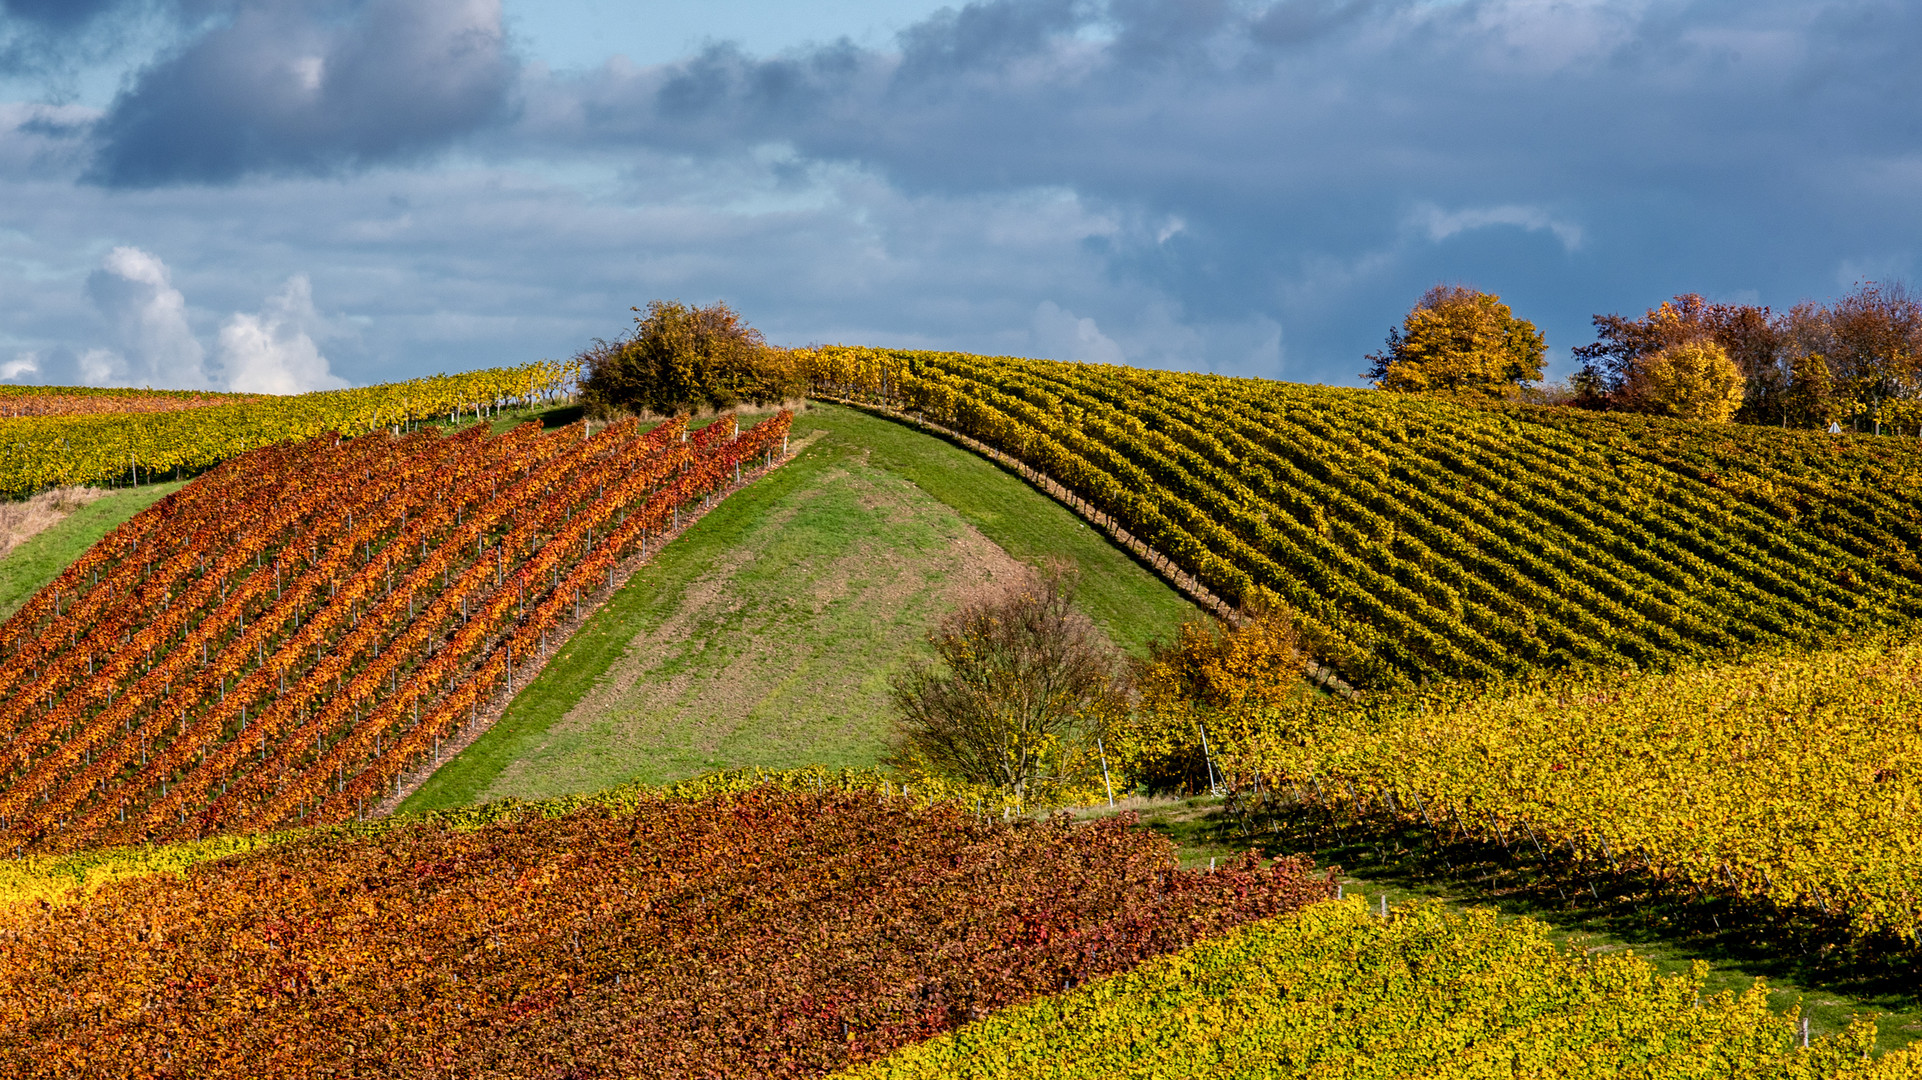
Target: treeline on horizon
pixel 1856 361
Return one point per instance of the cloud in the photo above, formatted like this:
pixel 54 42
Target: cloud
pixel 53 41
pixel 22 365
pixel 60 15
pixel 317 87
pixel 1059 335
pixel 271 353
pixel 148 316
pixel 1441 224
pixel 154 344
pixel 1205 181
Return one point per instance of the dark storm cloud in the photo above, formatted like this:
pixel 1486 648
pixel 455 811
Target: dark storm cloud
pixel 63 15
pixel 1313 158
pixel 1254 187
pixel 316 87
pixel 49 40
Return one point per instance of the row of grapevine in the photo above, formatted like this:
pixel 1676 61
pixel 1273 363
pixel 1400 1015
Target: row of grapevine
pixel 53 449
pixel 280 641
pixel 16 401
pixel 1790 779
pixel 1336 992
pixel 762 934
pixel 1419 539
pixel 31 880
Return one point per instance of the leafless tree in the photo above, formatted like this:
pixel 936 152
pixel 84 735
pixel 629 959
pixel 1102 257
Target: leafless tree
pixel 1023 689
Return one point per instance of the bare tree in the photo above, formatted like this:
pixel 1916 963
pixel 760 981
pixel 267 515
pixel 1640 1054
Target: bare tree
pixel 1023 690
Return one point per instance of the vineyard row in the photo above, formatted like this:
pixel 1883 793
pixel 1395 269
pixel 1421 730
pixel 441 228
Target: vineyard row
pixel 98 438
pixel 1425 540
pixel 280 641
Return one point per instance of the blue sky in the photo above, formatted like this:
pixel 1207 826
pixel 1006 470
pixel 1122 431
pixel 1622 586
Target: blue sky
pixel 288 194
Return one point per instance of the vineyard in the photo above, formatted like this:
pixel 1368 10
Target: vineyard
pixel 1591 648
pixel 111 436
pixel 78 400
pixel 1341 991
pixel 1789 780
pixel 1420 540
pixel 761 934
pixel 284 639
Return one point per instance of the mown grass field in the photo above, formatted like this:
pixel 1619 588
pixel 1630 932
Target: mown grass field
pixel 765 635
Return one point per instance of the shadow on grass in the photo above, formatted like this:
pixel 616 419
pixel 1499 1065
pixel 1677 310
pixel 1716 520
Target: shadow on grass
pixel 1591 903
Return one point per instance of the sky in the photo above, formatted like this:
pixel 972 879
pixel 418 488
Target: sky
pixel 284 195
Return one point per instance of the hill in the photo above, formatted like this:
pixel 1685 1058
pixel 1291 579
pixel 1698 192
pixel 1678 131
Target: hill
pixel 765 635
pixel 283 639
pixel 1419 539
pixel 64 436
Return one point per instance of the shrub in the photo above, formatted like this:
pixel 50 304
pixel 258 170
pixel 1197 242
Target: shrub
pixel 679 359
pixel 1209 671
pixel 1023 694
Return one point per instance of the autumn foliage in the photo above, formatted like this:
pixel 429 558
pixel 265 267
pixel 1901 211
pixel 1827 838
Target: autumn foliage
pixel 281 640
pixel 1460 342
pixel 1694 380
pixel 81 401
pixel 1210 671
pixel 765 935
pixel 679 359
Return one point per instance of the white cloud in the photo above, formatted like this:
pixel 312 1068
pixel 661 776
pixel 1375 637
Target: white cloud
pixel 272 352
pixel 1441 224
pixel 269 352
pixel 1059 335
pixel 134 290
pixel 102 367
pixel 25 363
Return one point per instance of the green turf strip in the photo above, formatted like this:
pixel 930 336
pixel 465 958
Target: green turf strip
pixel 25 569
pixel 765 635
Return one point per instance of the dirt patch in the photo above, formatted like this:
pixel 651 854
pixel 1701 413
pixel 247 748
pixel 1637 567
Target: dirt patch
pixel 22 521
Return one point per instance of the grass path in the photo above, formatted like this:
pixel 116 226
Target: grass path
pixel 40 559
pixel 766 634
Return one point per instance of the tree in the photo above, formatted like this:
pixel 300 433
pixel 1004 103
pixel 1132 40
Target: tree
pixel 679 359
pixel 1859 358
pixel 1211 671
pixel 1695 380
pixel 1023 691
pixel 1461 342
pixel 1750 336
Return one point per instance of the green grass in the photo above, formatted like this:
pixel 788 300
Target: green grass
pixel 765 635
pixel 1127 600
pixel 27 568
pixel 1833 981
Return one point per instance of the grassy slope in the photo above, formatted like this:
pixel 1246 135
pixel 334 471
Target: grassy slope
pixel 765 635
pixel 31 565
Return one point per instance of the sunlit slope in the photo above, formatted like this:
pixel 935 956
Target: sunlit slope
pixel 1340 991
pixel 766 634
pixel 1423 539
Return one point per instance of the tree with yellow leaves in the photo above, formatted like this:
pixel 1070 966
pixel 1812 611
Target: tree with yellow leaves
pixel 1460 342
pixel 1209 672
pixel 1695 380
